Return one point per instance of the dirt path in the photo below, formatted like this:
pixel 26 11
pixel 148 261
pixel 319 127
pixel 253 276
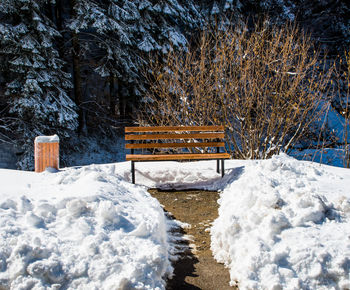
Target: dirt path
pixel 196 269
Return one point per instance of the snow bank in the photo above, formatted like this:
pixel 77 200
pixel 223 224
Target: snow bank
pixel 285 224
pixel 81 228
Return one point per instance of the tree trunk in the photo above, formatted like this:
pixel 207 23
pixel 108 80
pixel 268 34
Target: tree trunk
pixel 51 7
pixel 126 103
pixel 78 96
pixel 121 103
pixel 57 12
pixel 111 95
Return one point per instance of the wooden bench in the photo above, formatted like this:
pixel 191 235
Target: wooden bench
pixel 175 138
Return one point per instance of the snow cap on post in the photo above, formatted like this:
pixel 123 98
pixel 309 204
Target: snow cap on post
pixel 47 139
pixel 46 152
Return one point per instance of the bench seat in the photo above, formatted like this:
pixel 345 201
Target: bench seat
pixel 168 157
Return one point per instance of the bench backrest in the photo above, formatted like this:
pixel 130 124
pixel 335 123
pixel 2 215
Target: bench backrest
pixel 179 137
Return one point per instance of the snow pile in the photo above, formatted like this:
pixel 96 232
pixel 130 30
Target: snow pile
pixel 81 228
pixel 285 224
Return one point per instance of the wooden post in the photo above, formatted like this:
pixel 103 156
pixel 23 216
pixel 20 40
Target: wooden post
pixel 46 152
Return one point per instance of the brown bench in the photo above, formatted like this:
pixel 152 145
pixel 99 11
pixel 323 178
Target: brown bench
pixel 193 138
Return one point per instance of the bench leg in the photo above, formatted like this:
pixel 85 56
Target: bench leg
pixel 218 160
pixel 222 168
pixel 133 172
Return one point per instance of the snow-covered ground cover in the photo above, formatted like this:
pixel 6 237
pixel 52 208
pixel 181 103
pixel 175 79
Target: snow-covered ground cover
pixel 282 223
pixel 328 156
pixel 81 228
pixel 338 130
pixel 285 224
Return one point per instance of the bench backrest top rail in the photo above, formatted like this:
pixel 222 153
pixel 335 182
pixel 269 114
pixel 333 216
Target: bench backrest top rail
pixel 174 129
pixel 174 136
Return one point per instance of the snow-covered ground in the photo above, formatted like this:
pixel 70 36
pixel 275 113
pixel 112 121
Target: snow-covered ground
pixel 81 228
pixel 283 223
pixel 328 156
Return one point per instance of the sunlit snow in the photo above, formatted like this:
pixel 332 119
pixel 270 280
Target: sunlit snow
pixel 283 224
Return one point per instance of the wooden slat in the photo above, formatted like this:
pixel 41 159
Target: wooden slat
pixel 174 145
pixel 174 129
pixel 56 154
pixel 167 157
pixel 46 155
pixel 36 157
pixel 174 136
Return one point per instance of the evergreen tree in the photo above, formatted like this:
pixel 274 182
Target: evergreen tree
pixel 36 85
pixel 126 32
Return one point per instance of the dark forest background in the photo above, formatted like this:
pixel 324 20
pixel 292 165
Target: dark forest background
pixel 76 67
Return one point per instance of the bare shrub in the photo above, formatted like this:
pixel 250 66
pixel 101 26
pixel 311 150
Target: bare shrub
pixel 346 112
pixel 266 85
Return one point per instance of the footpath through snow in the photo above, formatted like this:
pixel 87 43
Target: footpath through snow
pixel 283 224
